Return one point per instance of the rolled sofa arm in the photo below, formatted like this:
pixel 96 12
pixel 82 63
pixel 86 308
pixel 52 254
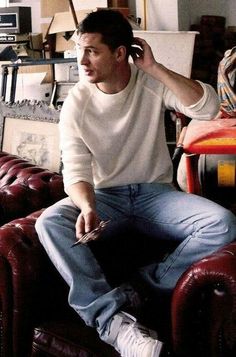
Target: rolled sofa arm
pixel 204 307
pixel 25 188
pixel 31 290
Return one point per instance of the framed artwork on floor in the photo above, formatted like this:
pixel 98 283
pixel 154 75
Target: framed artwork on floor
pixel 30 130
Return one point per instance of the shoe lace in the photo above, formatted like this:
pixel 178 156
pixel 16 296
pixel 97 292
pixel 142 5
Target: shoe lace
pixel 134 340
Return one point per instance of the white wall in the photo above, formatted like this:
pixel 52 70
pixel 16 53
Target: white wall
pixel 160 14
pixel 208 7
pixel 184 15
pixel 162 17
pixel 226 8
pixel 231 13
pixel 180 14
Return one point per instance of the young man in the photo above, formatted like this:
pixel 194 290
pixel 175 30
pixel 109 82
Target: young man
pixel 117 168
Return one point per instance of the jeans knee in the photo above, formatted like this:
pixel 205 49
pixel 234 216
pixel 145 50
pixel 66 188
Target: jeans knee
pixel 227 225
pixel 231 219
pixel 45 222
pixel 40 225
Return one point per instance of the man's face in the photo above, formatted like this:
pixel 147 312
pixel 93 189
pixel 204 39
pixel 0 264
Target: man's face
pixel 97 60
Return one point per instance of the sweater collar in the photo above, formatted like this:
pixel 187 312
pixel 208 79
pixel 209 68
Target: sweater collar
pixel 120 95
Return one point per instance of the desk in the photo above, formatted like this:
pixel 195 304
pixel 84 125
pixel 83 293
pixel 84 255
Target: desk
pixel 216 137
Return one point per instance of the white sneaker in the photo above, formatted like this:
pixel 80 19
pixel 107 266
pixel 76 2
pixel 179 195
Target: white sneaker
pixel 131 339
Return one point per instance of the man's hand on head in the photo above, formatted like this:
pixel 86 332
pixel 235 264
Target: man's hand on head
pixel 142 54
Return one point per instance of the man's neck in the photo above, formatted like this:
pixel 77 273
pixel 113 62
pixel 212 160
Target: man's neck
pixel 118 82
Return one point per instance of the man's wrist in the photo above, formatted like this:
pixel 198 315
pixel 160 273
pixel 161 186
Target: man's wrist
pixel 156 70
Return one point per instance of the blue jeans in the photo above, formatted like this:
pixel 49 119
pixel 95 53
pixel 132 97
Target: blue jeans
pixel 197 225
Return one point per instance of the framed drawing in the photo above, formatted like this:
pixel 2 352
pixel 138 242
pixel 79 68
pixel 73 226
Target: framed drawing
pixel 30 130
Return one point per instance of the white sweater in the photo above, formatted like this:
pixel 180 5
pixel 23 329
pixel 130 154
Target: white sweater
pixel 119 139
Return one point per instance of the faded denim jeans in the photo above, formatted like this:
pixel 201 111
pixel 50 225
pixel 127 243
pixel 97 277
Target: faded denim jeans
pixel 197 225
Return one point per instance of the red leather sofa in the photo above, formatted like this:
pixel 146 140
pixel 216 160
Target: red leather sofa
pixel 35 319
pixel 25 187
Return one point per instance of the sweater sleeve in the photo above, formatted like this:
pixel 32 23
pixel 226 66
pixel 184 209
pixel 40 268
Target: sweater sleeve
pixel 205 109
pixel 76 157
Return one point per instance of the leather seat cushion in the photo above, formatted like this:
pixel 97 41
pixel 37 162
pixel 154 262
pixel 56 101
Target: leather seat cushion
pixel 69 339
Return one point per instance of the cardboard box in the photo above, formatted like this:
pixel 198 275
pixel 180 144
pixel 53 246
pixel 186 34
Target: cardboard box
pixel 44 29
pixel 36 41
pixel 61 23
pixel 66 72
pixel 62 44
pixel 50 7
pixel 33 91
pixel 45 69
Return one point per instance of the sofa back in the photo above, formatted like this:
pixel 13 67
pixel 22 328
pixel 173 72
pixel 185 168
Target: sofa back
pixel 25 187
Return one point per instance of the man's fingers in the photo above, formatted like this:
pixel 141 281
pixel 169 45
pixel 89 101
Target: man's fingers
pixel 86 223
pixel 80 227
pixel 136 52
pixel 92 235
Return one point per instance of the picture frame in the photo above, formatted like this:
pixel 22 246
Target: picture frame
pixel 30 131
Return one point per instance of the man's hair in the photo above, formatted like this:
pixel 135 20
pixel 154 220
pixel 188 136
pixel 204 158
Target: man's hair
pixel 112 25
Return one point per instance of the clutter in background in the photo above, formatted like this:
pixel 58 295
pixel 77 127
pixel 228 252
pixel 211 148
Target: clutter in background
pixel 213 40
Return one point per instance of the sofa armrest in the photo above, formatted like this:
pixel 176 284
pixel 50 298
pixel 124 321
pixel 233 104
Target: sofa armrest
pixel 30 288
pixel 25 188
pixel 204 307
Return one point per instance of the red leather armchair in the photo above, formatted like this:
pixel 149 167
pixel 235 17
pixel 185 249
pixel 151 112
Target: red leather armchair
pixel 37 321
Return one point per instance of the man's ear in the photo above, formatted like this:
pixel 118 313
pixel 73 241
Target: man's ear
pixel 121 53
